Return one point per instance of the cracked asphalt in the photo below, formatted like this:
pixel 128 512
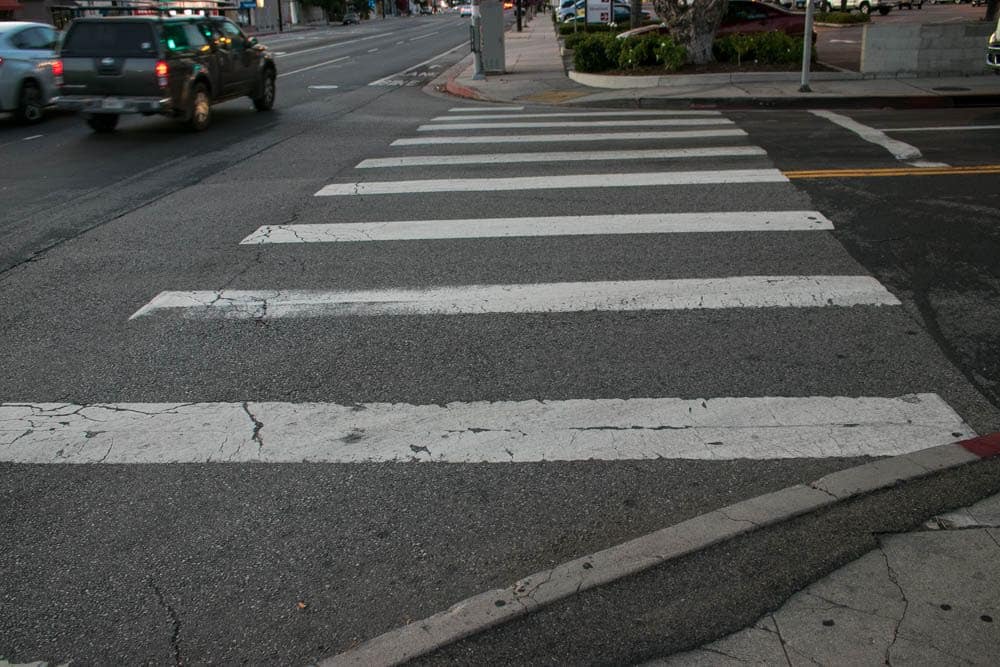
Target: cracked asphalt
pixel 286 563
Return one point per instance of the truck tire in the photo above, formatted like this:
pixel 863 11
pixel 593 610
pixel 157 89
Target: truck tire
pixel 200 114
pixel 103 122
pixel 264 100
pixel 884 10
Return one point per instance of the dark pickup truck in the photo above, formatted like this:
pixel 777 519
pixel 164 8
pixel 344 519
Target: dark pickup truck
pixel 175 66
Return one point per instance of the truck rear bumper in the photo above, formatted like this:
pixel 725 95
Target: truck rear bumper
pixel 117 105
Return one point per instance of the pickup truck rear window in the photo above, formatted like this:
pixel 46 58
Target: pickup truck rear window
pixel 131 40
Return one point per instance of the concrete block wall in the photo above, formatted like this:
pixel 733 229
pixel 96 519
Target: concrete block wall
pixel 932 49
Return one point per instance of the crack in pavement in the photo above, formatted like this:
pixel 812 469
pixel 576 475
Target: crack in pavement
pixel 906 603
pixel 174 621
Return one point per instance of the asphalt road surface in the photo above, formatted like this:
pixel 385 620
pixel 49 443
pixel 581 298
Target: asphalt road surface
pixel 341 390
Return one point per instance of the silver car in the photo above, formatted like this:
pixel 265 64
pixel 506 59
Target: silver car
pixel 27 58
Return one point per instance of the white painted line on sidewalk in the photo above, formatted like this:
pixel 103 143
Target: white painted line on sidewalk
pixel 568 138
pixel 384 80
pixel 322 64
pixel 716 429
pixel 899 149
pixel 562 182
pixel 477 109
pixel 570 225
pixel 575 114
pixel 659 122
pixel 563 156
pixel 635 295
pixel 943 128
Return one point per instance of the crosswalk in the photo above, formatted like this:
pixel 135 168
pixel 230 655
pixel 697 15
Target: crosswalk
pixel 686 166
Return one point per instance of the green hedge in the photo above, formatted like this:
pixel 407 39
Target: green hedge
pixel 765 48
pixel 842 17
pixel 571 28
pixel 601 52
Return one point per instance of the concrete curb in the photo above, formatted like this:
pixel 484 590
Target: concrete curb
pixel 812 101
pixel 500 606
pixel 627 82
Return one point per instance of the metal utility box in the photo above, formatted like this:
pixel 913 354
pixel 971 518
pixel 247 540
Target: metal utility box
pixel 494 61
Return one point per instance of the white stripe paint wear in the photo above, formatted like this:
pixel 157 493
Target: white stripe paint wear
pixel 567 138
pixel 571 225
pixel 665 122
pixel 563 156
pixel 563 182
pixel 635 295
pixel 483 109
pixel 576 114
pixel 505 432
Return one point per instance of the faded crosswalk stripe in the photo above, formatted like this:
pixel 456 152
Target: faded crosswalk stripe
pixel 575 114
pixel 616 180
pixel 665 122
pixel 643 223
pixel 564 156
pixel 632 295
pixel 481 432
pixel 569 138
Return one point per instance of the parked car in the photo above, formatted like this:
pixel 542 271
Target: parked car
pixel 744 16
pixel 27 61
pixel 623 13
pixel 175 66
pixel 465 10
pixel 993 49
pixel 350 17
pixel 864 6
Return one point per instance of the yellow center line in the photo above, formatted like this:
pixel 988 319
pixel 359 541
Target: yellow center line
pixel 894 171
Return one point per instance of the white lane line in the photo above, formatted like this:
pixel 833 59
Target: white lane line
pixel 581 114
pixel 943 128
pixel 715 429
pixel 293 54
pixel 664 122
pixel 567 138
pixel 33 137
pixel 562 182
pixel 570 225
pixel 385 79
pixel 322 64
pixel 477 109
pixel 563 156
pixel 324 87
pixel 927 164
pixel 899 149
pixel 373 50
pixel 430 34
pixel 635 295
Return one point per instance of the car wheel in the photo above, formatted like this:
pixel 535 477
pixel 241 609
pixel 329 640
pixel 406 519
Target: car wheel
pixel 883 10
pixel 30 105
pixel 200 115
pixel 103 122
pixel 865 8
pixel 265 101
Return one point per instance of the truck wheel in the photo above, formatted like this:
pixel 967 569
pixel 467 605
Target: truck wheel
pixel 29 104
pixel 200 115
pixel 264 101
pixel 884 10
pixel 103 122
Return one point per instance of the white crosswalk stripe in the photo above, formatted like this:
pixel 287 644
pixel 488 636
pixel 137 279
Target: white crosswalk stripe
pixel 659 122
pixel 563 156
pixel 498 432
pixel 568 138
pixel 649 223
pixel 574 114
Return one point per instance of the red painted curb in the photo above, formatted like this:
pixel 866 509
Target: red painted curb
pixel 985 446
pixel 461 91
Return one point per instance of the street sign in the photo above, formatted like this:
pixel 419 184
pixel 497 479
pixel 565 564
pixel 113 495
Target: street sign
pixel 598 11
pixel 248 4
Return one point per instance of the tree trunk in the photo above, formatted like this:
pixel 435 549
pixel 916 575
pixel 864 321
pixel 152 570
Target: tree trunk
pixel 636 12
pixel 992 9
pixel 693 25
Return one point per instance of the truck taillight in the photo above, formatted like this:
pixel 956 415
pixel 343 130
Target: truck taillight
pixel 57 72
pixel 162 71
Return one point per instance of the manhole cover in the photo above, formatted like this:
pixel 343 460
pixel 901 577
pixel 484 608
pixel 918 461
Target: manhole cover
pixel 951 89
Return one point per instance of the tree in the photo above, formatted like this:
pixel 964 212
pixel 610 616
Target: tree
pixel 992 9
pixel 693 24
pixel 636 13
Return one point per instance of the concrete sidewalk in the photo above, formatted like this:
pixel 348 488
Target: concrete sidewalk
pixel 536 74
pixel 924 597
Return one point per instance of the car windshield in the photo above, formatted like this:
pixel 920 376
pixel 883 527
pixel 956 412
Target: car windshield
pixel 109 38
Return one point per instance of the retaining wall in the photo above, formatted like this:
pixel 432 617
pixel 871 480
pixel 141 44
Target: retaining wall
pixel 932 49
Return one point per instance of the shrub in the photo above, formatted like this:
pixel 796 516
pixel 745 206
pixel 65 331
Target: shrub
pixel 766 48
pixel 591 53
pixel 636 52
pixel 572 39
pixel 570 28
pixel 841 17
pixel 669 54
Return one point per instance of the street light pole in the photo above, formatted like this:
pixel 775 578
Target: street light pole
pixel 519 9
pixel 281 20
pixel 807 47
